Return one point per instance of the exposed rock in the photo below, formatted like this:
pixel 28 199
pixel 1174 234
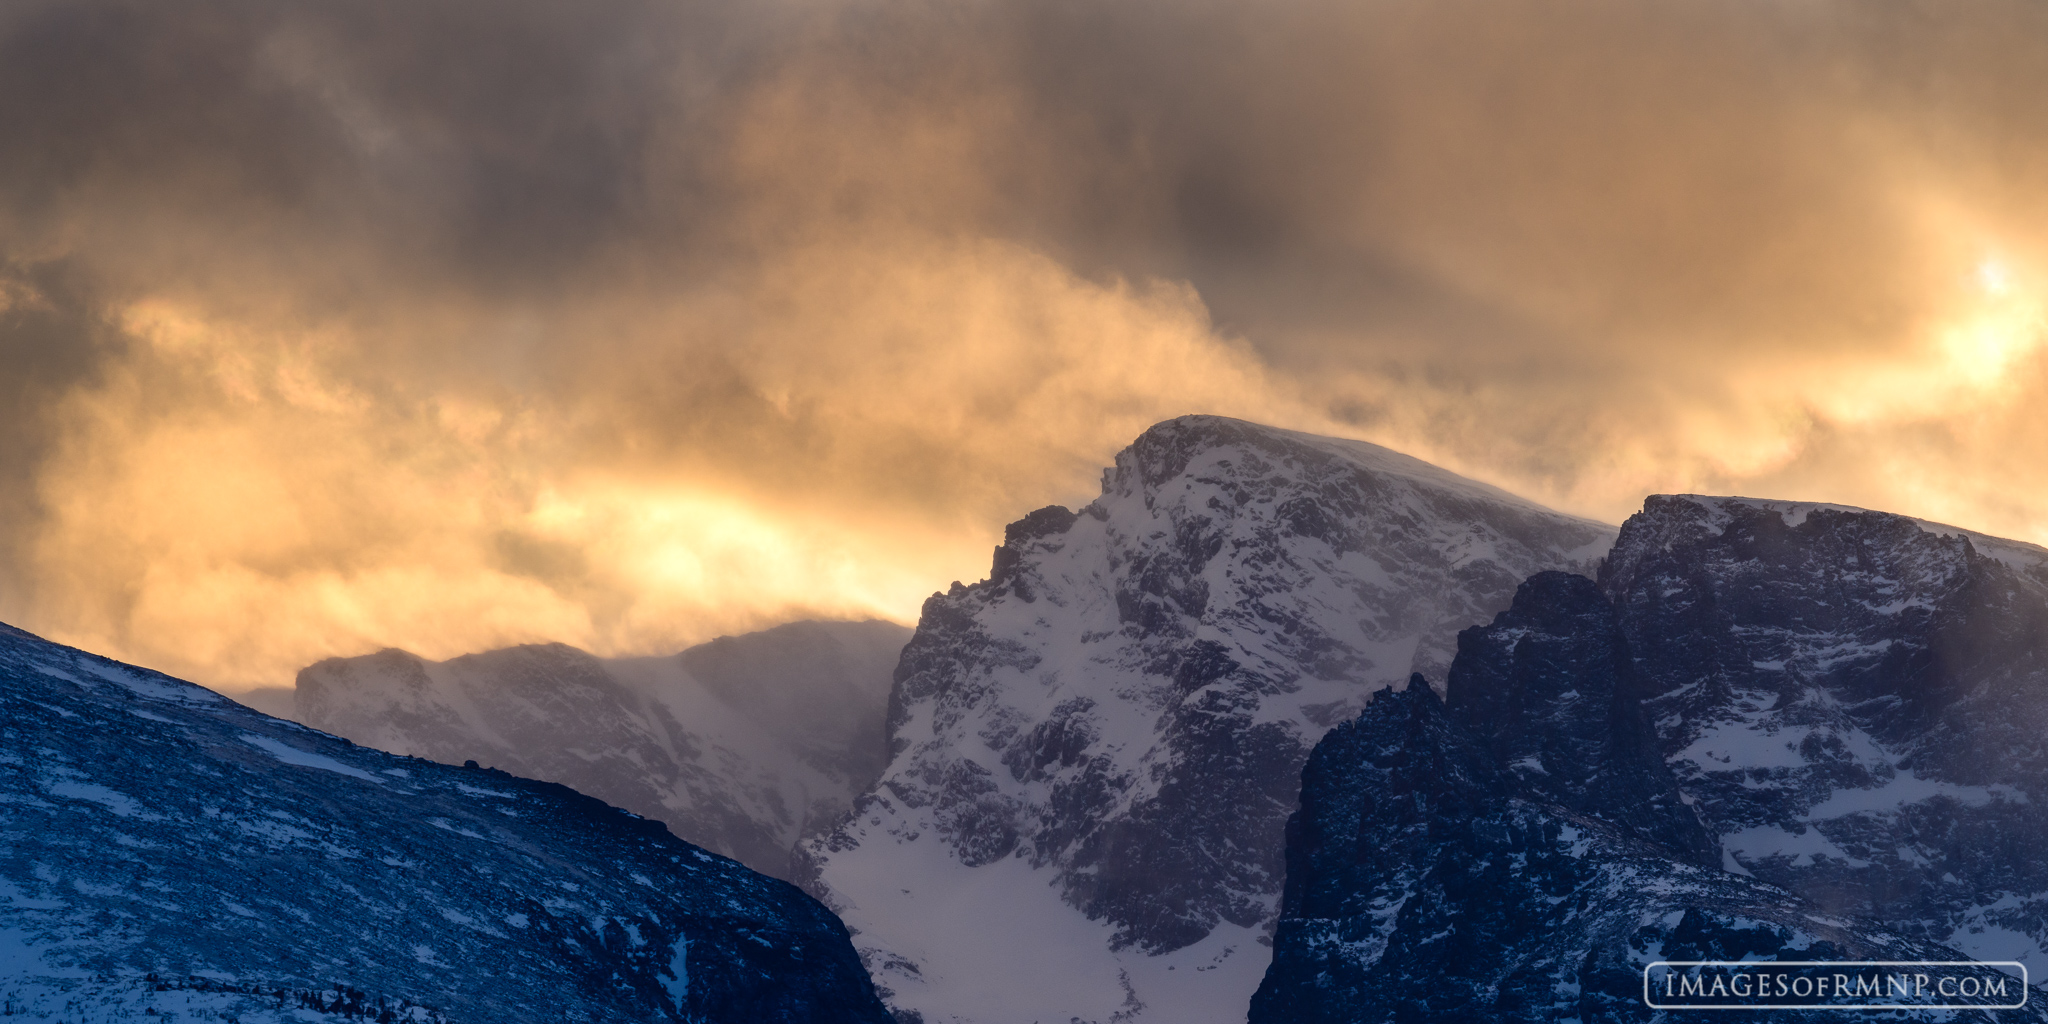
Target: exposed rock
pixel 1430 882
pixel 1853 702
pixel 1857 702
pixel 1551 692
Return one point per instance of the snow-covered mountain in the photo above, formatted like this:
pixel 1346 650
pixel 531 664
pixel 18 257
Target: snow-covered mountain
pixel 169 851
pixel 743 744
pixel 1519 851
pixel 1097 748
pixel 1857 702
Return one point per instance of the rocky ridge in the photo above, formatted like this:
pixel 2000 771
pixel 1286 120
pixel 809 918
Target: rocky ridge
pixel 1430 881
pixel 1857 703
pixel 167 850
pixel 1841 710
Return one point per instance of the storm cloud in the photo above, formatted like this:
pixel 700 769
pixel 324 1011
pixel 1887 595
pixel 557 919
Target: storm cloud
pixel 332 327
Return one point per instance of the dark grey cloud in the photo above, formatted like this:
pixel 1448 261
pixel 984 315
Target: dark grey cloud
pixel 53 336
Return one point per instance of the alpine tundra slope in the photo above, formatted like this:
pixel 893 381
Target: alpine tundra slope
pixel 169 851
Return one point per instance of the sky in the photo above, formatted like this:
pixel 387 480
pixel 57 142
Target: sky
pixel 332 327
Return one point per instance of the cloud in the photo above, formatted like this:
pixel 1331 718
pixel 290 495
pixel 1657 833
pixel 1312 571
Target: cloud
pixel 328 328
pixel 832 434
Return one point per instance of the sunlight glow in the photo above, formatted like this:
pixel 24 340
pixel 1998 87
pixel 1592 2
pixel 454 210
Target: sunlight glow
pixel 1994 276
pixel 1982 349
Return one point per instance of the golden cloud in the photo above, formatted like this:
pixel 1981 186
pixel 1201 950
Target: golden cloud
pixel 335 328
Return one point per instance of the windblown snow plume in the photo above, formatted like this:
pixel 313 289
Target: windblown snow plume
pixel 743 745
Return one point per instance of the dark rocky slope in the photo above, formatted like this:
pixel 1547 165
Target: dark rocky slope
pixel 1519 851
pixel 1857 703
pixel 255 866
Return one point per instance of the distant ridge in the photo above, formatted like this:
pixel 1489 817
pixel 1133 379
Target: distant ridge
pixel 745 744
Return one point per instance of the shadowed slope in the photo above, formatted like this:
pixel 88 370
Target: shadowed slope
pixel 154 826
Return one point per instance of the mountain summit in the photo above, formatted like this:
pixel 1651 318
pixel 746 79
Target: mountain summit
pixel 1096 749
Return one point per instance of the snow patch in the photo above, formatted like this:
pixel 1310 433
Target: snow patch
pixel 677 984
pixel 1053 958
pixel 305 759
pixel 1767 842
pixel 119 803
pixel 159 688
pixel 1903 789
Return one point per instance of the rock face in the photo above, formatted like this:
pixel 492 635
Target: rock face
pixel 1849 706
pixel 743 744
pixel 1428 880
pixel 1857 702
pixel 263 871
pixel 1096 749
pixel 1551 693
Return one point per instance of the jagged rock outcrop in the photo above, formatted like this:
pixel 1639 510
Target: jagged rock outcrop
pixel 1430 882
pixel 1096 749
pixel 262 871
pixel 1551 692
pixel 1850 704
pixel 1857 702
pixel 744 744
pixel 1520 851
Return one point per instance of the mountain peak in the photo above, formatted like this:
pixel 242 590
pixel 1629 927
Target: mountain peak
pixel 1105 737
pixel 1669 518
pixel 1854 700
pixel 1164 450
pixel 1437 873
